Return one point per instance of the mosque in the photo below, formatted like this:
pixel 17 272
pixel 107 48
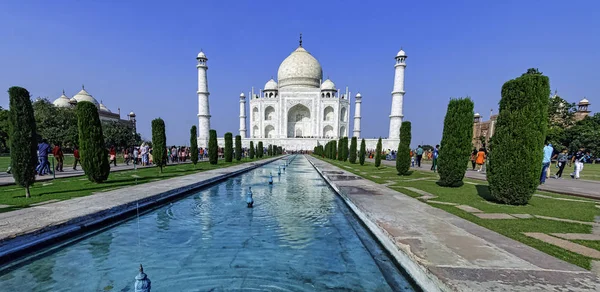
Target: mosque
pixel 299 110
pixel 104 113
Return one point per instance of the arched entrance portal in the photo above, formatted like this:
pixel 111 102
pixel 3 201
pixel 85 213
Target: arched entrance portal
pixel 299 124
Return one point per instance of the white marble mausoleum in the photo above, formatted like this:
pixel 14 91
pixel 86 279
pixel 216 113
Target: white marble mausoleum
pixel 299 110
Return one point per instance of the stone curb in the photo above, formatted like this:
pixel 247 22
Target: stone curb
pixel 20 244
pixel 419 273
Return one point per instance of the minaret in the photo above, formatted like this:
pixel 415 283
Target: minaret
pixel 243 115
pixel 203 109
pixel 397 96
pixel 357 102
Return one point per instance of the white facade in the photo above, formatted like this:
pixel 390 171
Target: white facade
pixel 300 111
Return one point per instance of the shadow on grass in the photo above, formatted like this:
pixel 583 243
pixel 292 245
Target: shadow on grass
pixel 408 173
pixel 484 192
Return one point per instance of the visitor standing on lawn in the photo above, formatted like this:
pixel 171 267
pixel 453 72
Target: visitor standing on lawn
pixel 43 151
pixel 59 156
pixel 547 152
pixel 480 160
pixel 436 153
pixel 76 157
pixel 578 160
pixel 419 155
pixel 113 155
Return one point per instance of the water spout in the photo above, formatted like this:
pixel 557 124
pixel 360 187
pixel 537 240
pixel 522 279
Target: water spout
pixel 270 179
pixel 142 282
pixel 249 199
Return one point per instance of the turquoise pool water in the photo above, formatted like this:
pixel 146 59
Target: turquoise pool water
pixel 298 237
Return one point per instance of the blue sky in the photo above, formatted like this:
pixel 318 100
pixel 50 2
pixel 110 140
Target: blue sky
pixel 140 55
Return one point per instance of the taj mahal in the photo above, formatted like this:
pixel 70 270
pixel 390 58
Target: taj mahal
pixel 299 110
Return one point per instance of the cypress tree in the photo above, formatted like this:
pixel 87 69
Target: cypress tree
pixel 270 150
pixel 251 150
pixel 93 154
pixel 353 150
pixel 345 149
pixel 228 147
pixel 194 145
pixel 363 152
pixel 378 154
pixel 213 147
pixel 403 154
pixel 455 148
pixel 515 156
pixel 260 149
pixel 340 149
pixel 334 149
pixel 22 138
pixel 238 147
pixel 159 143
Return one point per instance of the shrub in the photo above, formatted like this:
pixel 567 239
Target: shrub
pixel 378 153
pixel 22 138
pixel 251 150
pixel 194 145
pixel 363 152
pixel 92 153
pixel 403 154
pixel 238 147
pixel 228 147
pixel 455 148
pixel 159 143
pixel 260 149
pixel 515 156
pixel 352 154
pixel 213 147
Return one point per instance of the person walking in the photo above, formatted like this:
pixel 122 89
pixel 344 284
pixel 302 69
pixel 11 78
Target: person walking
pixel 59 156
pixel 75 157
pixel 419 155
pixel 578 159
pixel 43 151
pixel 136 152
pixel 436 153
pixel 473 157
pixel 547 152
pixel 113 155
pixel 126 155
pixel 480 159
pixel 561 161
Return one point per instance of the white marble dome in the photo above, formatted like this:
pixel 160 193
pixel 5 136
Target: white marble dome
pixel 300 69
pixel 62 101
pixel 271 85
pixel 328 85
pixel 85 96
pixel 584 101
pixel 401 53
pixel 358 95
pixel 201 55
pixel 104 108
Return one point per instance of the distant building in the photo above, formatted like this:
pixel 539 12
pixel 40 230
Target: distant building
pixel 484 130
pixel 104 113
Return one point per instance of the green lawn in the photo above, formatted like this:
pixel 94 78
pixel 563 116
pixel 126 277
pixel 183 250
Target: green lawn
pixel 474 194
pixel 79 186
pixel 68 163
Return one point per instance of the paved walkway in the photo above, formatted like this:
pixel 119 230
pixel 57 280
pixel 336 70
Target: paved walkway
pixel 567 186
pixel 7 179
pixel 443 252
pixel 23 228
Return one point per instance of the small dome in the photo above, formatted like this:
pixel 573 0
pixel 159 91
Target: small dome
pixel 584 101
pixel 131 114
pixel 401 53
pixel 358 95
pixel 271 85
pixel 201 55
pixel 104 108
pixel 477 115
pixel 328 85
pixel 62 101
pixel 242 95
pixel 85 96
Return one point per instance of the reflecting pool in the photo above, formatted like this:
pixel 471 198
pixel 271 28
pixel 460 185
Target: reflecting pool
pixel 298 237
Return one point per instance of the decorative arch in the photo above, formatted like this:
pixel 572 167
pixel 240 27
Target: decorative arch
pixel 269 113
pixel 328 132
pixel 342 131
pixel 269 131
pixel 343 114
pixel 255 115
pixel 328 114
pixel 255 133
pixel 299 122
